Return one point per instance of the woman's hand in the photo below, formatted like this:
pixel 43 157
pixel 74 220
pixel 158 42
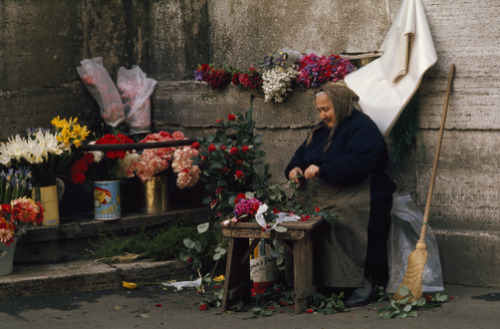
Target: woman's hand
pixel 294 175
pixel 311 172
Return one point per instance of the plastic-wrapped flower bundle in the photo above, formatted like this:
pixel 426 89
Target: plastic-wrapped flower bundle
pixel 246 207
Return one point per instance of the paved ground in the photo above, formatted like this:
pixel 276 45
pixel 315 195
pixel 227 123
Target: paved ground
pixel 154 306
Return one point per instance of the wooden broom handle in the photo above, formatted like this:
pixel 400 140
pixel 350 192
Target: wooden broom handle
pixel 436 156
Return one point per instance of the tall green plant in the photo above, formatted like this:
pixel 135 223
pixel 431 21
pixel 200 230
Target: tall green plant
pixel 230 161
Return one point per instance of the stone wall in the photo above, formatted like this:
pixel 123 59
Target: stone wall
pixel 42 42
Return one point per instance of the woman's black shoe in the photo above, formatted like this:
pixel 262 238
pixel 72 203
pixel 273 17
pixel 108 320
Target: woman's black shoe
pixel 362 296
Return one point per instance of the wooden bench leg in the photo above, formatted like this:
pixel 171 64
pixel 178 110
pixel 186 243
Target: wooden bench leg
pixel 237 281
pixel 303 272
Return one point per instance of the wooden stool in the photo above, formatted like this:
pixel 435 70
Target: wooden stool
pixel 237 281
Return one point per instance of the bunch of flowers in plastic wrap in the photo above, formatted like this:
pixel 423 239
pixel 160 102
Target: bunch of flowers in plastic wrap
pixel 280 72
pixel 245 208
pixel 315 70
pixel 217 78
pixel 188 174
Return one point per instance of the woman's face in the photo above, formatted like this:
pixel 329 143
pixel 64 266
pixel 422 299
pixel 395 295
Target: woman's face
pixel 325 109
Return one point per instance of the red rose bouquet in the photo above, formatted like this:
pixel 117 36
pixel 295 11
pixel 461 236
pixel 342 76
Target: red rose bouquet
pixel 105 165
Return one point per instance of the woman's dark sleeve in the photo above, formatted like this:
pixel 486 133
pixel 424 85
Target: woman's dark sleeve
pixel 364 147
pixel 297 160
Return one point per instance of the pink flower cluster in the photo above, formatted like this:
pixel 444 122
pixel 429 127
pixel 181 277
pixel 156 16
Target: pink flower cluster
pixel 246 207
pixel 315 70
pixel 153 161
pixel 182 164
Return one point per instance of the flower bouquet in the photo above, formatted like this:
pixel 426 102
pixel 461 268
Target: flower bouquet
pixel 250 80
pixel 17 211
pixel 315 70
pixel 151 168
pixel 48 154
pixel 155 161
pixel 280 73
pixel 216 77
pixel 106 168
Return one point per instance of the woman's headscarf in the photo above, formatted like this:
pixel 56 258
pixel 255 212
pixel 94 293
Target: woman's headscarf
pixel 344 101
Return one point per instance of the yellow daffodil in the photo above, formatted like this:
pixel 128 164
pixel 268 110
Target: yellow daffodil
pixel 129 285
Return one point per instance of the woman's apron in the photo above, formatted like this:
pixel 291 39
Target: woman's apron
pixel 340 248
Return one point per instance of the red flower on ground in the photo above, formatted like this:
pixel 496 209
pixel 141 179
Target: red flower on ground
pixel 231 117
pixel 309 310
pixel 203 307
pixel 317 209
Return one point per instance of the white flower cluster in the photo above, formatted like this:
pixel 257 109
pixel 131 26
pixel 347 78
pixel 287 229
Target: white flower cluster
pixel 277 82
pixel 34 149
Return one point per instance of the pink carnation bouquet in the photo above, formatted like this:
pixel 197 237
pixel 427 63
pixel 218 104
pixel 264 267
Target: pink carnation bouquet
pixel 155 161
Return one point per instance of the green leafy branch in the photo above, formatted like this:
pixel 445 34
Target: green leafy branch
pixel 408 306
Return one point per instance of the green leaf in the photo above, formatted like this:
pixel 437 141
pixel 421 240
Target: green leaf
pixel 256 310
pixel 407 308
pixel 404 291
pixel 202 228
pixel 421 301
pixel 222 251
pixel 189 243
pixel 441 298
pixel 280 229
pixel 216 256
pixel 413 314
pixel 401 315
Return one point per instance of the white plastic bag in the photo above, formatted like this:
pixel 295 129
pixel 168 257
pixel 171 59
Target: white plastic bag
pixel 135 89
pixel 103 89
pixel 407 222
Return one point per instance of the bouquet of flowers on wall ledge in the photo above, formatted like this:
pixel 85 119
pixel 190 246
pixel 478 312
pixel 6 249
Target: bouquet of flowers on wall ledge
pixel 17 211
pixel 155 161
pixel 47 153
pixel 279 73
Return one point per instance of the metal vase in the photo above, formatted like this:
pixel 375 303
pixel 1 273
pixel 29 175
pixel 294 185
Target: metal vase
pixel 154 195
pixel 7 258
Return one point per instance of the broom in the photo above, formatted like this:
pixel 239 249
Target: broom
pixel 418 257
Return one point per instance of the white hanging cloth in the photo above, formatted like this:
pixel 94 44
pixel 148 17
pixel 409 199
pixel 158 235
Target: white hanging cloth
pixel 387 84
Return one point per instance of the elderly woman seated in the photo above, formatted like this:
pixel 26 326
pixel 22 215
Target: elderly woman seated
pixel 341 167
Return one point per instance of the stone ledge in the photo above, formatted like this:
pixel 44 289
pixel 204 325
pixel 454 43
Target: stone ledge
pixel 30 280
pixel 71 240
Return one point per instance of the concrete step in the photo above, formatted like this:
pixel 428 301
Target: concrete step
pixel 42 279
pixel 73 237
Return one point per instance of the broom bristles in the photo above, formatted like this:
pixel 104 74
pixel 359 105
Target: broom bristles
pixel 414 272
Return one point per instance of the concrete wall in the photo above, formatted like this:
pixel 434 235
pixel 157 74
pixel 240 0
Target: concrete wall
pixel 41 43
